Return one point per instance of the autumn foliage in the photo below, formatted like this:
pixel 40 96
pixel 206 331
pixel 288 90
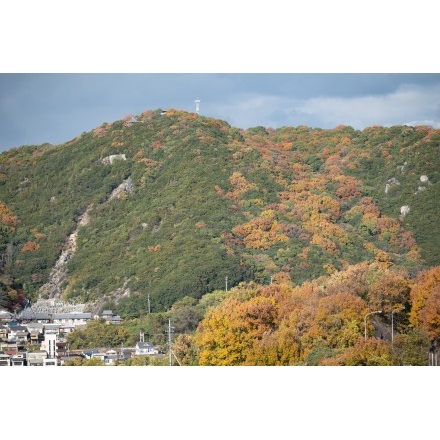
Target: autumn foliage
pixel 7 218
pixel 322 322
pixel 425 299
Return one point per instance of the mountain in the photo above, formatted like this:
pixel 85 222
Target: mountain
pixel 152 208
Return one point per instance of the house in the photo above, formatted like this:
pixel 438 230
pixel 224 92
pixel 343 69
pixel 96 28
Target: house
pixel 10 349
pixel 5 316
pixel 63 359
pixel 26 315
pixel 101 356
pixel 5 360
pixel 111 357
pixel 51 328
pixel 36 331
pixel 88 353
pixel 4 331
pixel 107 314
pixel 18 333
pixel 60 349
pixel 110 318
pixel 41 317
pixel 145 348
pixel 116 319
pixel 67 328
pixel 35 337
pixel 18 360
pixel 36 358
pixel 71 320
pixel 124 355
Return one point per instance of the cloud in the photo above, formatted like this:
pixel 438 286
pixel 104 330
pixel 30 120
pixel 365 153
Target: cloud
pixel 409 102
pixel 427 122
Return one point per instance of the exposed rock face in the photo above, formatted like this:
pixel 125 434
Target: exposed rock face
pixel 391 182
pixel 53 288
pixel 125 187
pixel 404 210
pixel 113 296
pixel 110 159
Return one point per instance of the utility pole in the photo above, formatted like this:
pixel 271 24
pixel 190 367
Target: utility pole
pixel 149 309
pixel 392 321
pixel 365 323
pixel 169 339
pixel 392 326
pixel 169 331
pixel 226 283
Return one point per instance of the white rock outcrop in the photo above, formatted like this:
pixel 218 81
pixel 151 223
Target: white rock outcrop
pixel 404 210
pixel 110 159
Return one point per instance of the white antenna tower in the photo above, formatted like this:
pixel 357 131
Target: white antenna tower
pixel 197 101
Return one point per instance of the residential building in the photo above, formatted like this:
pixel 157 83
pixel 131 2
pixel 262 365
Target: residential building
pixel 88 353
pixel 18 360
pixel 110 318
pixel 49 343
pixel 124 354
pixel 4 331
pixel 71 320
pixel 145 348
pixel 101 356
pixel 107 315
pixel 5 360
pixel 18 333
pixel 36 358
pixel 5 316
pixel 36 332
pixel 61 349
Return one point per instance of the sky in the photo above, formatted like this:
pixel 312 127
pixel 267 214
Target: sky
pixel 56 107
pixel 67 68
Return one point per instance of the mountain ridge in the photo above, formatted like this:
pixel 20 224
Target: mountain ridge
pixel 206 201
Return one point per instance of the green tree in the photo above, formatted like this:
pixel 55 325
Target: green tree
pixel 97 334
pixel 411 348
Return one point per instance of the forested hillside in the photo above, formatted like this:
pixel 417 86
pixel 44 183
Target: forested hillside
pixel 204 206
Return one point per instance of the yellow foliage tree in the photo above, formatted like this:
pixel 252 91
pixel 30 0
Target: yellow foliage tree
pixel 229 332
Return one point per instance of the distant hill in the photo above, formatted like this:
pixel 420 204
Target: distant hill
pixel 155 207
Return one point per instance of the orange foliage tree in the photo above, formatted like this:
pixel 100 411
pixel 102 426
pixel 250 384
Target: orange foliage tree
pixel 261 232
pixel 7 219
pixel 229 331
pixel 338 321
pixel 425 302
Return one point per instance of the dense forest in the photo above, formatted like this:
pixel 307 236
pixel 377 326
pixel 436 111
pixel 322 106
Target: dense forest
pixel 265 246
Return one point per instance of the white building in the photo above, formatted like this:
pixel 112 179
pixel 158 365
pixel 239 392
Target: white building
pixel 145 348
